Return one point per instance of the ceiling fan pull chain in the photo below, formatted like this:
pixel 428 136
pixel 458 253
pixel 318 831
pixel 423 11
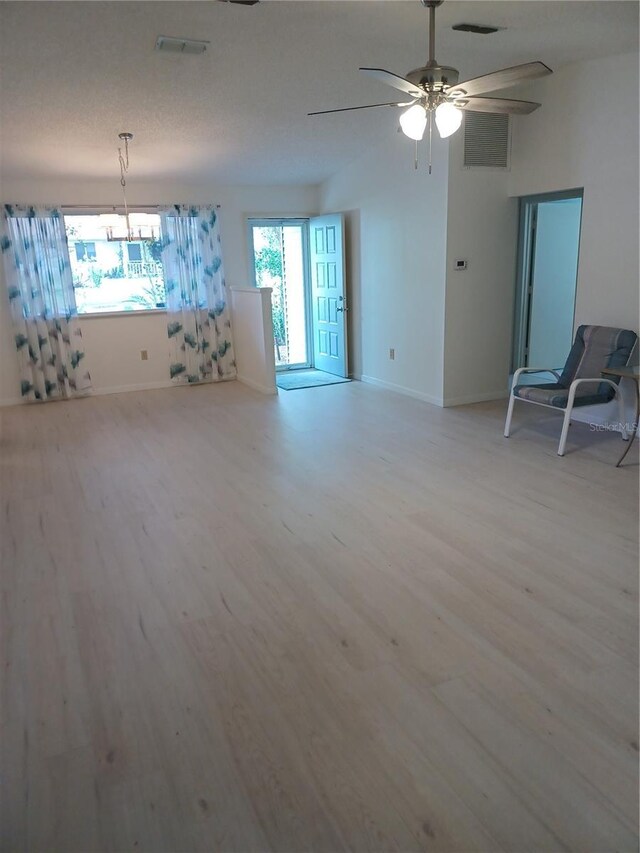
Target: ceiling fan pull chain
pixel 430 132
pixel 415 157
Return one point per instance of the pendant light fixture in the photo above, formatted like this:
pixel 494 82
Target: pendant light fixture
pixel 131 226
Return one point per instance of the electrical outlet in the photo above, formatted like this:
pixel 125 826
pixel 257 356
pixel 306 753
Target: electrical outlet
pixel 144 355
pixel 392 354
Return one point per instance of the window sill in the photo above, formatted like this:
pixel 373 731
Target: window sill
pixel 98 315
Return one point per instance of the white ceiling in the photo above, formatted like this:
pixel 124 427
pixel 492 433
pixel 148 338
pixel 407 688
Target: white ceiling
pixel 74 74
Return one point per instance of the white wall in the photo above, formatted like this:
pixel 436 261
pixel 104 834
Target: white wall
pixel 482 226
pixel 586 135
pixel 113 344
pixel 452 330
pixel 396 230
pixel 252 323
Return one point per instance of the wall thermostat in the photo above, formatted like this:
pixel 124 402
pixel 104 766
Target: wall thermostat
pixel 460 265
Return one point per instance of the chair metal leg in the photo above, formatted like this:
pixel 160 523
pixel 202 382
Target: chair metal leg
pixel 565 429
pixel 507 423
pixel 621 414
pixel 634 426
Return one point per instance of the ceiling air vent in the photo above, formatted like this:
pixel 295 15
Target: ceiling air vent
pixel 486 140
pixel 170 44
pixel 475 28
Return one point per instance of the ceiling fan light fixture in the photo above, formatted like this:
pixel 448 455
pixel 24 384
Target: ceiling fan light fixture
pixel 448 119
pixel 434 89
pixel 413 122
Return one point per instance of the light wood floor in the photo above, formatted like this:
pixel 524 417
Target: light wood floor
pixel 337 620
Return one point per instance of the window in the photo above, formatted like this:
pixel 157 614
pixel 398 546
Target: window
pixel 134 250
pixel 113 275
pixel 85 250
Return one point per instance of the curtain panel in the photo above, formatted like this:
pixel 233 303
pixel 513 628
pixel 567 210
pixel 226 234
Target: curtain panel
pixel 42 303
pixel 198 318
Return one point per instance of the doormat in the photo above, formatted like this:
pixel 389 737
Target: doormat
pixel 294 379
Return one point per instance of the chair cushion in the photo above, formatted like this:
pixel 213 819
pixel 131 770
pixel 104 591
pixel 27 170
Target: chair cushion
pixel 554 394
pixel 595 348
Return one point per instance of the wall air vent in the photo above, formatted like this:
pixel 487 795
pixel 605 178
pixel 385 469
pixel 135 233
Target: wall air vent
pixel 170 44
pixel 486 140
pixel 475 28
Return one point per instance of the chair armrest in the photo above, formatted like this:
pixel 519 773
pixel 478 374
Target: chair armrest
pixel 598 379
pixel 522 370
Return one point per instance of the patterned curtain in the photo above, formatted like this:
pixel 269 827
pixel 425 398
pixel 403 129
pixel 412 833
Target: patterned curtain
pixel 43 306
pixel 198 325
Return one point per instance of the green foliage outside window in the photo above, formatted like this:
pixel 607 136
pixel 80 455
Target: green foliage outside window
pixel 270 273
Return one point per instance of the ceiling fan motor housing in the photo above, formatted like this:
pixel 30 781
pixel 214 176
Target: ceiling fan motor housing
pixel 434 78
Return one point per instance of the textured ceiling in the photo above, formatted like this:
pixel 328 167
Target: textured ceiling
pixel 74 74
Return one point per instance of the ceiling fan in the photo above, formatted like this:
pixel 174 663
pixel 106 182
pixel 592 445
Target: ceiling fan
pixel 435 92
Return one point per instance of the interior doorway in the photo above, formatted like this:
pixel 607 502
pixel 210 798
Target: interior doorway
pixel 548 250
pixel 280 260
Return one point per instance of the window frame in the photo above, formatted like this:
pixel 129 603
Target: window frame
pixel 80 210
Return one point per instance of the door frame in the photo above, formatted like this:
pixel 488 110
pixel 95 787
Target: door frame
pixel 527 219
pixel 303 221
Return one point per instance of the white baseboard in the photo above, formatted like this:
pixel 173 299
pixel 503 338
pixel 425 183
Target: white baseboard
pixel 98 392
pixel 139 386
pixel 120 389
pixel 467 399
pixel 401 389
pixel 256 386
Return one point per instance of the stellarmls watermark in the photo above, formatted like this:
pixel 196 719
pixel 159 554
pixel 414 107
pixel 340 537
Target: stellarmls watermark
pixel 627 427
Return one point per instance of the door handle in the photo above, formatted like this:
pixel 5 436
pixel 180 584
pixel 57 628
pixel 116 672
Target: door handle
pixel 345 309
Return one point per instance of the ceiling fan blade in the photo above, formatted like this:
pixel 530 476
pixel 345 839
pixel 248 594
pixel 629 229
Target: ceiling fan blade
pixel 498 105
pixel 241 2
pixel 501 79
pixel 394 80
pixel 365 107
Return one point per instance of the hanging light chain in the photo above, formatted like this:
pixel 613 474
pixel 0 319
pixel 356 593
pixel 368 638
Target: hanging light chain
pixel 124 161
pixel 124 168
